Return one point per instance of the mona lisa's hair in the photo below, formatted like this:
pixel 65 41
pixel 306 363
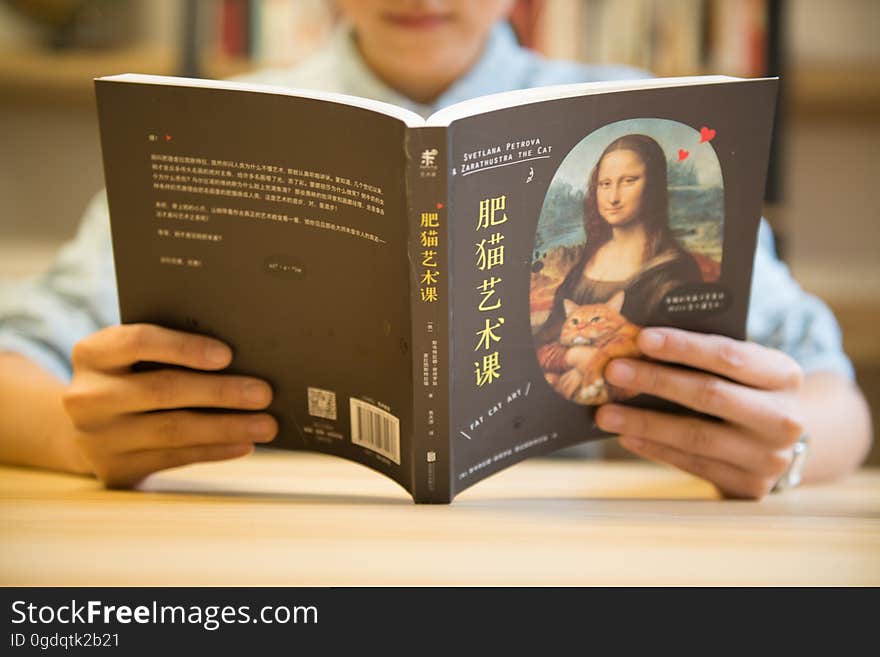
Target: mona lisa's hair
pixel 654 209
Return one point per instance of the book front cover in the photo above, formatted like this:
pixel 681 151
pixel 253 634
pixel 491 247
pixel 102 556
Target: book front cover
pixel 576 222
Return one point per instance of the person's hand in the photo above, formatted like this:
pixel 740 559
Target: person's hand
pixel 752 390
pixel 127 425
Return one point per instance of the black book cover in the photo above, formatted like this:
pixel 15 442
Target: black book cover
pixel 412 290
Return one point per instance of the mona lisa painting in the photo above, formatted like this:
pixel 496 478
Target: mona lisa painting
pixel 634 213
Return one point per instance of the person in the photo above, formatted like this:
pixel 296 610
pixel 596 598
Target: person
pixel 72 402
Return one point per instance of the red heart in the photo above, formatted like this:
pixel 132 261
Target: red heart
pixel 682 154
pixel 706 134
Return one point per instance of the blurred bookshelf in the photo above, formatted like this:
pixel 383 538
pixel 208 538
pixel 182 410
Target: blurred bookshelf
pixel 196 38
pixel 665 37
pixel 836 91
pixel 267 32
pixel 33 76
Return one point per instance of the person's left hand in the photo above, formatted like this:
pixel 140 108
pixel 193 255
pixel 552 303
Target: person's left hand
pixel 752 390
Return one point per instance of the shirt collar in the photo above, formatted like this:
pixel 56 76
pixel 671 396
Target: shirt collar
pixel 499 68
pixel 495 70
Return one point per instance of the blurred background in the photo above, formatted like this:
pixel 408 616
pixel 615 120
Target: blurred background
pixel 826 150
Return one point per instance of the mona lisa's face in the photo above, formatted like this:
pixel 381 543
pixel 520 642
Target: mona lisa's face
pixel 620 184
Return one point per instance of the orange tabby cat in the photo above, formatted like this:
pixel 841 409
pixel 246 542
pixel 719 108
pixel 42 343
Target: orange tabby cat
pixel 593 334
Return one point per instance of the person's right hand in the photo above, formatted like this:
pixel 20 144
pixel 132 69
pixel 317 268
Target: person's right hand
pixel 128 424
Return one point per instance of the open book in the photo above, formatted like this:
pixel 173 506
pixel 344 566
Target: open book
pixel 435 299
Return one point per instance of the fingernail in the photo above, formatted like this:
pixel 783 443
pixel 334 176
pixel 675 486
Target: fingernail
pixel 256 393
pixel 217 354
pixel 652 340
pixel 241 450
pixel 261 427
pixel 620 373
pixel 610 419
pixel 631 442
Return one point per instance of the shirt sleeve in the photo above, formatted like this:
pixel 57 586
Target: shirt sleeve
pixel 43 317
pixel 782 316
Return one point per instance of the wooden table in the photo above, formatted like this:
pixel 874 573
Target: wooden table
pixel 305 519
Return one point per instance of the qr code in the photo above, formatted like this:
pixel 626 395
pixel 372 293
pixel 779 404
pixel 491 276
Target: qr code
pixel 322 403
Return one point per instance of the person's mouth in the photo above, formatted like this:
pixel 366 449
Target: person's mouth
pixel 417 20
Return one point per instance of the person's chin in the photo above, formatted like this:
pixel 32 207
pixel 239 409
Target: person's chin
pixel 425 54
pixel 417 27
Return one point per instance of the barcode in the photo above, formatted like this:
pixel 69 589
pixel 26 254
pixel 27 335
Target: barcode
pixel 375 429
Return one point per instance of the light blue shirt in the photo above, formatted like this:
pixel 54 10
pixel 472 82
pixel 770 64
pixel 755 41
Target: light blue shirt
pixel 44 317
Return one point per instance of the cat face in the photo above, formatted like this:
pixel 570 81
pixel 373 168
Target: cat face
pixel 588 324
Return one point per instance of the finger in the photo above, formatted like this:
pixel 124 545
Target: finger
pixel 173 429
pixel 132 468
pixel 729 479
pixel 105 398
pixel 121 346
pixel 760 411
pixel 746 362
pixel 167 389
pixel 715 440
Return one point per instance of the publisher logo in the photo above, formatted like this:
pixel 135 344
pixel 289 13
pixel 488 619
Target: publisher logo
pixel 429 159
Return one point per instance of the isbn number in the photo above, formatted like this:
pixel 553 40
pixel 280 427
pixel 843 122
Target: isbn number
pixel 375 429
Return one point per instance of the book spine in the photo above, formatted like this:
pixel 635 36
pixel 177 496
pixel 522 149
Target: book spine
pixel 427 192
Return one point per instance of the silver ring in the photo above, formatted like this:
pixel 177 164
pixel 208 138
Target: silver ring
pixel 795 470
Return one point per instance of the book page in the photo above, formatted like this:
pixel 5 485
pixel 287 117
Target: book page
pixel 494 102
pixel 388 109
